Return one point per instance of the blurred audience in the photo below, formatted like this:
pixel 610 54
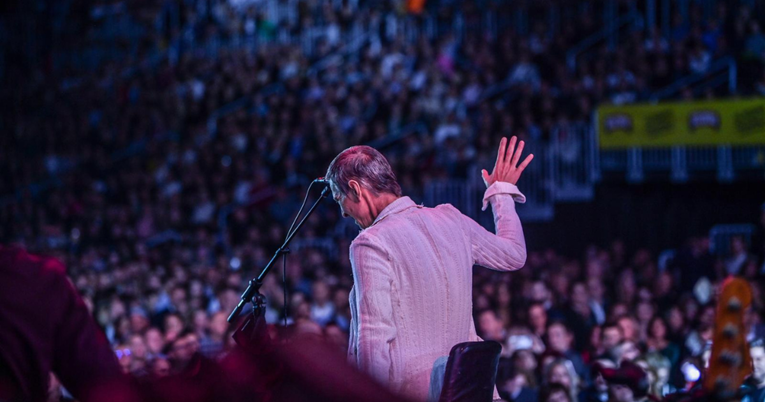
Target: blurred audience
pixel 166 189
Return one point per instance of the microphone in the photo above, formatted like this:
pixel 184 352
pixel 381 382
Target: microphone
pixel 321 180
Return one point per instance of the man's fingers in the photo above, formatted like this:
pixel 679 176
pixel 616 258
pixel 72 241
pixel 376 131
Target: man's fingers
pixel 525 163
pixel 501 152
pixel 517 154
pixel 510 149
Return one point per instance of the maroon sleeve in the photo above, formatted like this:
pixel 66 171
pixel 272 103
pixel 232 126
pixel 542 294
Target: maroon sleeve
pixel 82 358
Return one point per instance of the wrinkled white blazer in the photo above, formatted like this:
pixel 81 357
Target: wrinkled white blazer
pixel 412 294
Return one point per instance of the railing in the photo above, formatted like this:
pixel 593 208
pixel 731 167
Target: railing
pixel 574 158
pixel 610 33
pixel 682 163
pixel 706 79
pixel 720 236
pixel 538 184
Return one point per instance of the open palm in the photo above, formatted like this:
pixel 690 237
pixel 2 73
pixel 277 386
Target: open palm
pixel 507 169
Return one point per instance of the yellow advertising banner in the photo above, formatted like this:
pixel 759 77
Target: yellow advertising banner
pixel 732 122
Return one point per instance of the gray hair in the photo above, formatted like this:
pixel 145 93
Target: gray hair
pixel 365 165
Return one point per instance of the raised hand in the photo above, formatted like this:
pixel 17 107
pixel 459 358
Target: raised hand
pixel 506 169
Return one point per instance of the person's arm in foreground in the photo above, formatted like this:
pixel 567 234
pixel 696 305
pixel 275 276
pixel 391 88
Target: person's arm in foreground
pixel 506 250
pixel 372 277
pixel 82 357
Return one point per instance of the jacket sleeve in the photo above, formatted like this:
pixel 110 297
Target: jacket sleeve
pixel 506 250
pixel 373 280
pixel 82 357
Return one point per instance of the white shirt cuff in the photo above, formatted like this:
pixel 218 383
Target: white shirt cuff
pixel 500 187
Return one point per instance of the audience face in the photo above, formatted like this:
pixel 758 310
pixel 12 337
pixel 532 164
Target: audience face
pixel 621 393
pixel 341 299
pixel 138 347
pixel 125 358
pixel 138 323
pixel 525 360
pixel 201 322
pixel 219 324
pixel 580 299
pixel 690 309
pixel 707 316
pixel 178 297
pixel 560 286
pixel 491 326
pixel 160 367
pixel 537 317
pixel 539 292
pixel 657 329
pixel 559 338
pixel 629 328
pixel 320 293
pixel 173 326
pixel 154 340
pixel 559 374
pixel 644 312
pixel 663 284
pixel 626 286
pixel 758 364
pixel 612 336
pixel 229 298
pixel 183 350
pixel 676 320
pixel 482 299
pixel 303 311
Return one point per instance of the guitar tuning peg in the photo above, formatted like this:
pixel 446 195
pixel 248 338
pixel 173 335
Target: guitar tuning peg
pixel 730 331
pixel 730 358
pixel 734 304
pixel 721 383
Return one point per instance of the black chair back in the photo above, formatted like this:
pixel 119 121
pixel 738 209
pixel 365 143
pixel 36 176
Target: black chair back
pixel 471 372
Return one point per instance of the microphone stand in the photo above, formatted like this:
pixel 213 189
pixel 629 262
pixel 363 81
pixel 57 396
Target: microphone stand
pixel 253 329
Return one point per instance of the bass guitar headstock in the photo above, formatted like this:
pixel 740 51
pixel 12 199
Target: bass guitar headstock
pixel 730 362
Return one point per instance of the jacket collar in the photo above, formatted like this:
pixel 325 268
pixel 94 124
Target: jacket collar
pixel 400 205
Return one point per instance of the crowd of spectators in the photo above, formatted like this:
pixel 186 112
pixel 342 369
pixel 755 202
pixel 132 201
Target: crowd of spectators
pixel 162 217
